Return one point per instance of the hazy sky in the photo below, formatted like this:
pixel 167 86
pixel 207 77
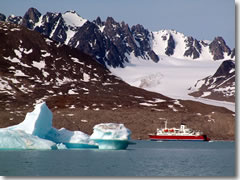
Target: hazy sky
pixel 202 19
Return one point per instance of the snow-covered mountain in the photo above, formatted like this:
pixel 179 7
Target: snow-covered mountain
pixel 110 42
pixel 117 46
pixel 81 92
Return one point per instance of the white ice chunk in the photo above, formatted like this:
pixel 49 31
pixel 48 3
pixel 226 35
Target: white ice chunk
pixel 65 136
pixel 111 136
pixel 38 122
pixel 17 139
pixel 71 139
pixel 110 131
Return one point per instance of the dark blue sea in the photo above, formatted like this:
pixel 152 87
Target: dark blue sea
pixel 145 158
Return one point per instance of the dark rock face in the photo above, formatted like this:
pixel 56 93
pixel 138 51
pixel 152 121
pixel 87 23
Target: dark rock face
pixel 53 27
pixel 15 19
pixel 218 47
pixel 142 38
pixel 194 48
pixel 30 18
pixel 170 47
pixel 89 40
pixel 153 56
pixel 2 17
pixel 220 86
pixel 225 69
pixel 111 44
pixel 233 53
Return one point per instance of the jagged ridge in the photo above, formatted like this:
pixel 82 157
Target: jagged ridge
pixel 109 42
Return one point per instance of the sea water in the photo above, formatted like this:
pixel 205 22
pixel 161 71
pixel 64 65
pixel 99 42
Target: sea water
pixel 145 158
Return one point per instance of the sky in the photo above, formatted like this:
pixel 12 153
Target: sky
pixel 202 19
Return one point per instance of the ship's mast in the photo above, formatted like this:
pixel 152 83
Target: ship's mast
pixel 166 124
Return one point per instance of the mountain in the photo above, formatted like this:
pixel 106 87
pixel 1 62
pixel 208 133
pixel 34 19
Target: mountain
pixel 81 92
pixel 220 86
pixel 111 42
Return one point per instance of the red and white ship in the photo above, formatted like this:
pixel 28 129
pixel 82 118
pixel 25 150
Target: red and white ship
pixel 181 134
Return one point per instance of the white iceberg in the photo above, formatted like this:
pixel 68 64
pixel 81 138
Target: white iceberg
pixel 71 139
pixel 18 139
pixel 38 122
pixel 111 136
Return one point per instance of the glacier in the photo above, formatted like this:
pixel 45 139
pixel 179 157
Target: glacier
pixel 174 72
pixel 36 132
pixel 111 136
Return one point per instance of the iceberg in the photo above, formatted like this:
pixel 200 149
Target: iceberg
pixel 37 126
pixel 71 139
pixel 18 139
pixel 36 132
pixel 111 136
pixel 38 122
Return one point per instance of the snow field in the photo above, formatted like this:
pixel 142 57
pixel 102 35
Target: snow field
pixel 171 77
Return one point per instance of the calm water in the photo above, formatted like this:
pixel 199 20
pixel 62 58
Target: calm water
pixel 146 158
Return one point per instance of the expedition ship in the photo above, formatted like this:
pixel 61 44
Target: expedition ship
pixel 175 134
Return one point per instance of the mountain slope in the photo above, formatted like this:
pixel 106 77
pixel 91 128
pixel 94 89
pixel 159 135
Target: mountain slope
pixel 221 85
pixel 82 93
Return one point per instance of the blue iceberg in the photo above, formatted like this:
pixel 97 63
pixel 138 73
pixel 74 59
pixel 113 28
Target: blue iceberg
pixel 18 139
pixel 111 136
pixel 37 123
pixel 71 139
pixel 36 132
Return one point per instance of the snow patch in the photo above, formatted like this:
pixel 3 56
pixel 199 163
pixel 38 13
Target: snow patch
pixel 20 73
pixel 147 104
pixel 73 19
pixel 86 77
pixel 40 65
pixel 206 94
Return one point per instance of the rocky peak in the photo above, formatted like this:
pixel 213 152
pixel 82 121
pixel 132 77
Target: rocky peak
pixel 2 17
pixel 194 48
pixel 31 16
pixel 141 36
pixel 112 28
pixel 115 40
pixel 98 21
pixel 218 47
pixel 52 25
pixel 14 19
pixel 90 40
pixel 110 21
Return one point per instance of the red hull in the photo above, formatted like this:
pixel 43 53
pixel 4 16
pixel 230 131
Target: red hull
pixel 178 138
